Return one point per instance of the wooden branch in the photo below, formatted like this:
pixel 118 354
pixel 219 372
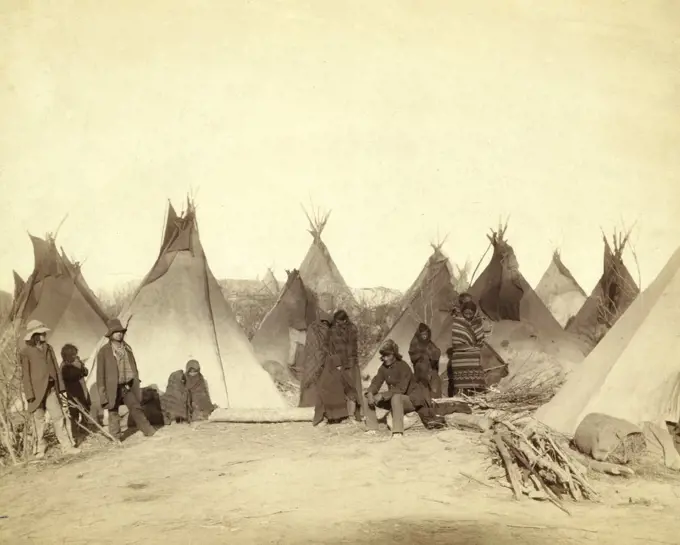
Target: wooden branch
pixel 551 495
pixel 509 466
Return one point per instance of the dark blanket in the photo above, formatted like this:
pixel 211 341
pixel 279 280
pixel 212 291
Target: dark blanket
pixel 200 404
pixel 175 400
pixel 317 352
pixel 425 356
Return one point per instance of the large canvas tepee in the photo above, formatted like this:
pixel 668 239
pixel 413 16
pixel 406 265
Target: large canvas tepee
pixel 504 294
pixel 559 291
pixel 612 295
pixel 429 298
pixel 280 338
pixel 633 373
pixel 320 273
pixel 179 313
pixel 54 295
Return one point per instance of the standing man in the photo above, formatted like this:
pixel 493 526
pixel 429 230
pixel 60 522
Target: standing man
pixel 118 381
pixel 43 385
pixel 345 350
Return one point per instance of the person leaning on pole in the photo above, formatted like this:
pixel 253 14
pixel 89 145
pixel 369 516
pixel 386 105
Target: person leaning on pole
pixel 43 385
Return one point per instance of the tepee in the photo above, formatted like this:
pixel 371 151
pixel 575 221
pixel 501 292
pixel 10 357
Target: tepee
pixel 633 373
pixel 504 294
pixel 612 295
pixel 429 298
pixel 179 313
pixel 54 295
pixel 318 270
pixel 270 282
pixel 559 291
pixel 280 337
pixel 522 325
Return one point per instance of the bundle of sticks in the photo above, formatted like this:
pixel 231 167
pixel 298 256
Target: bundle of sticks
pixel 538 467
pixel 520 396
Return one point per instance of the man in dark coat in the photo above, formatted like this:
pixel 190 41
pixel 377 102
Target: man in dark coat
pixel 74 373
pixel 402 396
pixel 118 381
pixel 344 348
pixel 43 385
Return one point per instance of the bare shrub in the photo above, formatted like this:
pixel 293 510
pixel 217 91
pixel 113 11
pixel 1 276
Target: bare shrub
pixel 373 325
pixel 17 435
pixel 115 300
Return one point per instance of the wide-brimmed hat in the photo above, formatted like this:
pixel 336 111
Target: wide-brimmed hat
pixel 33 327
pixel 114 326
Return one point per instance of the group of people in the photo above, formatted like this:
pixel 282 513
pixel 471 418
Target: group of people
pixel 331 379
pixel 49 386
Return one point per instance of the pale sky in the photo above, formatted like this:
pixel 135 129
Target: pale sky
pixel 406 118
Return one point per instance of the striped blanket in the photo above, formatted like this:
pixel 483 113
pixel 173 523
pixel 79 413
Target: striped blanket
pixel 465 371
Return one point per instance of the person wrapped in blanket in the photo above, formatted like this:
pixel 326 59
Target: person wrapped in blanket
pixel 200 404
pixel 175 400
pixel 425 356
pixel 465 372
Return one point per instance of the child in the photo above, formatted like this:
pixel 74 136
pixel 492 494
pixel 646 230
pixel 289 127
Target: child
pixel 200 404
pixel 74 372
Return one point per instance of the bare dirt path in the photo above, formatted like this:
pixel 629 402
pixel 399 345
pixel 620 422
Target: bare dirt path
pixel 290 483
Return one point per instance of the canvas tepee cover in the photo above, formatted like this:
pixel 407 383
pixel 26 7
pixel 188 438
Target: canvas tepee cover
pixel 294 310
pixel 504 294
pixel 612 295
pixel 55 296
pixel 430 297
pixel 271 283
pixel 559 291
pixel 633 373
pixel 320 273
pixel 179 313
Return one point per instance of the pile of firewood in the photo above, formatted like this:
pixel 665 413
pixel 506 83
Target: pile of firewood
pixel 521 396
pixel 536 466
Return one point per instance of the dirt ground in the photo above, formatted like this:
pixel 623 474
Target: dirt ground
pixel 291 483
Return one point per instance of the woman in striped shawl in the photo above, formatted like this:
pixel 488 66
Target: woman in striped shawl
pixel 465 372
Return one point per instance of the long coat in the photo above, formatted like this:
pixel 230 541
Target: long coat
pixel 36 375
pixel 107 375
pixel 344 349
pixel 315 358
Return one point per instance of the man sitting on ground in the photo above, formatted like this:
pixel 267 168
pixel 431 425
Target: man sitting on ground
pixel 401 397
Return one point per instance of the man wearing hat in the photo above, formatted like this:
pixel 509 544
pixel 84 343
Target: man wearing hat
pixel 43 384
pixel 401 396
pixel 118 381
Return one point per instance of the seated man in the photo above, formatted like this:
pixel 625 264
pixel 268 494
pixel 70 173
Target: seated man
pixel 401 396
